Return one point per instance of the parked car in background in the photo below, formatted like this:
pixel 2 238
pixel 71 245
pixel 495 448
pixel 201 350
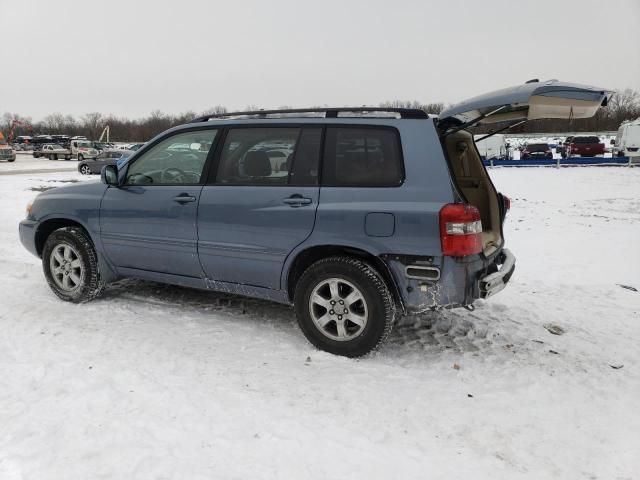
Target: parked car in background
pixel 536 150
pixel 82 149
pixel 101 146
pixel 356 230
pixel 23 143
pixel 6 151
pixel 627 141
pixel 584 146
pixel 107 157
pixel 135 147
pixel 52 151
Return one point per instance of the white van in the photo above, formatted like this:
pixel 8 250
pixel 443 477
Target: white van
pixel 627 142
pixel 492 148
pixel 82 149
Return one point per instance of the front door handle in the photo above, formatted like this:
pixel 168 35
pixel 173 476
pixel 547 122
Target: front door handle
pixel 297 200
pixel 184 198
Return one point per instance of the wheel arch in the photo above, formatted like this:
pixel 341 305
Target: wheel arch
pixel 48 226
pixel 308 256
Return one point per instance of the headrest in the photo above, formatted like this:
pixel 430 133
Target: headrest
pixel 257 164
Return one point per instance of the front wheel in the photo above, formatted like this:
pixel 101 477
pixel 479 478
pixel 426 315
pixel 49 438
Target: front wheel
pixel 70 265
pixel 80 158
pixel 85 170
pixel 344 307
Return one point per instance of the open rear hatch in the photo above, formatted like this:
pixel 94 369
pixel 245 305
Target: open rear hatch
pixel 533 100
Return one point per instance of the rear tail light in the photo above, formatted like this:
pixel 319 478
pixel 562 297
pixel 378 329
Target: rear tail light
pixel 507 203
pixel 460 230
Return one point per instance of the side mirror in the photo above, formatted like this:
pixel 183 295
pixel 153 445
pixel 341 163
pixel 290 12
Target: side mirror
pixel 109 175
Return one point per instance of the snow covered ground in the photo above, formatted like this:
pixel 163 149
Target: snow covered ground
pixel 161 382
pixel 25 161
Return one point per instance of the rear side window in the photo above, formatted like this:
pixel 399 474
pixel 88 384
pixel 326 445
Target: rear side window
pixel 362 157
pixel 270 156
pixel 586 140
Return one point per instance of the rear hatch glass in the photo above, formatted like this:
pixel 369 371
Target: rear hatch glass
pixel 586 140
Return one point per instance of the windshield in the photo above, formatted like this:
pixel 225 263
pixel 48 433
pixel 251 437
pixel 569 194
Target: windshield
pixel 538 147
pixel 84 144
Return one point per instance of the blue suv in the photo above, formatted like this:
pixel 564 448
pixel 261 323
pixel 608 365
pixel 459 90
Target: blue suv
pixel 354 216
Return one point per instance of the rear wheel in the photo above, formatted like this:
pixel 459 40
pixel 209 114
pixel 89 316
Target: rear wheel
pixel 70 265
pixel 344 307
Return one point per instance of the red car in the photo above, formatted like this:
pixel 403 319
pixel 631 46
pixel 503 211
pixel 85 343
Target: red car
pixel 583 146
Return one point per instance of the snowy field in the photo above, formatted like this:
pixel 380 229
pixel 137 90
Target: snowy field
pixel 25 162
pixel 157 382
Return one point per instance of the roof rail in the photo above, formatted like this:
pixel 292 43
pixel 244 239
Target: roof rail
pixel 413 113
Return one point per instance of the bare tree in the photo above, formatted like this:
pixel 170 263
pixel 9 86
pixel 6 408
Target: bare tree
pixel 92 122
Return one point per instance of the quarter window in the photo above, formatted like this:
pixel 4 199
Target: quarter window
pixel 362 157
pixel 178 159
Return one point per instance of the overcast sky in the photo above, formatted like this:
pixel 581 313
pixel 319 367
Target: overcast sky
pixel 129 57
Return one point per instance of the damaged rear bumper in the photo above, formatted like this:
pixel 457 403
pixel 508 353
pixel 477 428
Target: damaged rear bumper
pixel 491 284
pixel 428 283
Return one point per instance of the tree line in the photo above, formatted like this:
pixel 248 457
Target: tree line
pixel 624 105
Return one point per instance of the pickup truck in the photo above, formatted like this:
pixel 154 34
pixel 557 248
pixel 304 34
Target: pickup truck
pixel 6 152
pixel 52 152
pixel 587 146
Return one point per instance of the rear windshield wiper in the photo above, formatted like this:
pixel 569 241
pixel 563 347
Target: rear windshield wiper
pixel 472 122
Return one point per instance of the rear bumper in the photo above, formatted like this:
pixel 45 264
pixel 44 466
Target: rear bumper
pixel 449 282
pixel 493 283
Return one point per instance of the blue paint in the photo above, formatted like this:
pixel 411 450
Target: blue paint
pixel 548 162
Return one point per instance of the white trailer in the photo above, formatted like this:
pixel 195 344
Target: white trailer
pixel 627 142
pixel 492 148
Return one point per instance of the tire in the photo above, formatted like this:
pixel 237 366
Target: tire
pixel 70 265
pixel 85 169
pixel 55 156
pixel 11 160
pixel 372 304
pixel 80 158
pixel 67 157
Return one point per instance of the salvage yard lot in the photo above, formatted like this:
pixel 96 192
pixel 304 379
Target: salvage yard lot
pixel 153 381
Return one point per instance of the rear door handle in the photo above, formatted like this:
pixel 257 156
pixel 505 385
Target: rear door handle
pixel 184 198
pixel 297 200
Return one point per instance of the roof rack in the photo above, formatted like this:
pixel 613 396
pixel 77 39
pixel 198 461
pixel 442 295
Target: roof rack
pixel 412 113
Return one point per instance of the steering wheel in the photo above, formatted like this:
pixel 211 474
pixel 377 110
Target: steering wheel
pixel 173 175
pixel 139 179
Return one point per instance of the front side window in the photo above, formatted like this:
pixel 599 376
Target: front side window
pixel 270 156
pixel 179 159
pixel 362 157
